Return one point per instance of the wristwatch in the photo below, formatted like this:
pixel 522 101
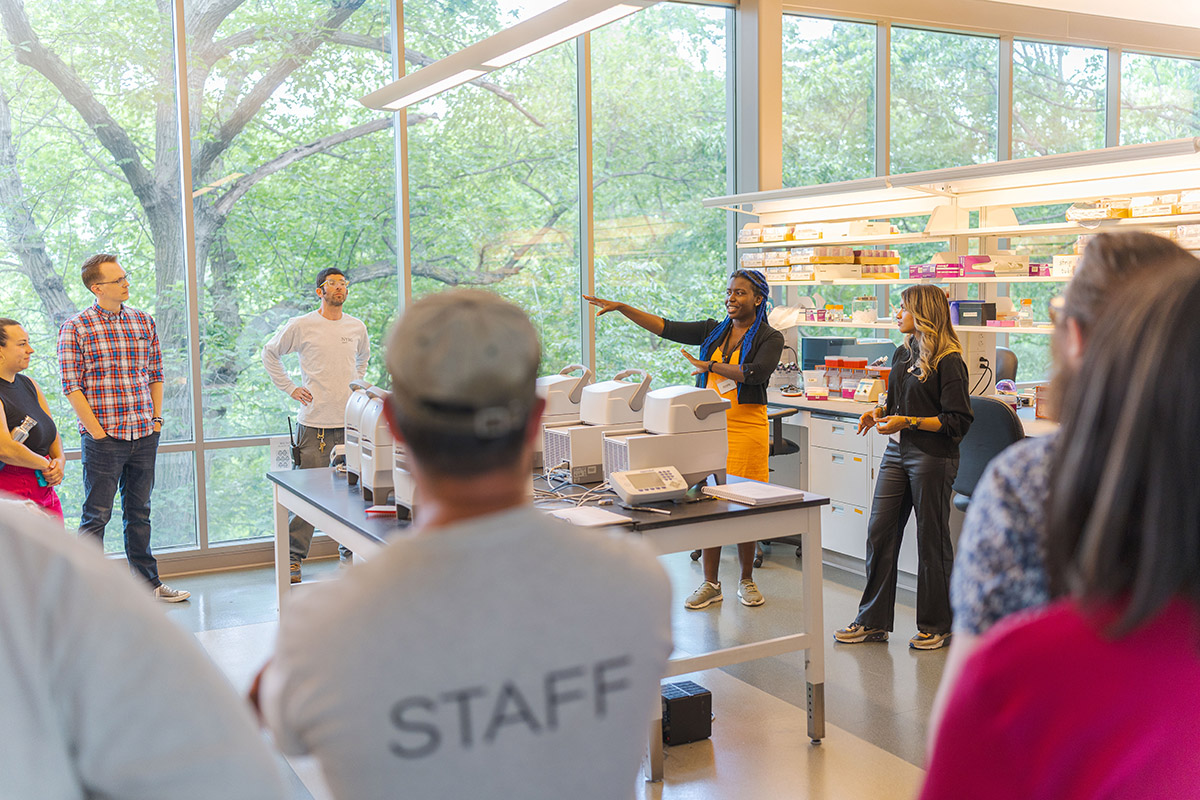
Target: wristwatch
pixel 159 420
pixel 914 423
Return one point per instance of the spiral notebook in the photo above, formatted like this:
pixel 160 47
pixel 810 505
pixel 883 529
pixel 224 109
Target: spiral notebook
pixel 754 493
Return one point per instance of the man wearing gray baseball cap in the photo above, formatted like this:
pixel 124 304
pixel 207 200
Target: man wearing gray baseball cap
pixel 490 650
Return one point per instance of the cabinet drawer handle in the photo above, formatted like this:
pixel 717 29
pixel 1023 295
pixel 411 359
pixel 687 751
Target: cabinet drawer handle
pixel 838 429
pixel 837 458
pixel 834 508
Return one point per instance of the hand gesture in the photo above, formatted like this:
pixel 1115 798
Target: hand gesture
pixel 892 424
pixel 605 306
pixel 868 420
pixel 53 471
pixel 303 395
pixel 698 365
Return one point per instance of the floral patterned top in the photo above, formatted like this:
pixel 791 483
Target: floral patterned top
pixel 1000 567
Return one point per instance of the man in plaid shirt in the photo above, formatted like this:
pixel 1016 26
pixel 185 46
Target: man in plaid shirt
pixel 112 374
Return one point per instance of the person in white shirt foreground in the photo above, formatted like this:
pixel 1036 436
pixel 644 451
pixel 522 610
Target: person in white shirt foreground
pixel 490 650
pixel 102 695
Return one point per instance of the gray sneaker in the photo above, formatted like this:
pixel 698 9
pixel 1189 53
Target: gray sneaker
pixel 169 595
pixel 705 596
pixel 749 594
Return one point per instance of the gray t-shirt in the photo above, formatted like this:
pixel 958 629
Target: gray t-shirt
pixel 512 655
pixel 100 694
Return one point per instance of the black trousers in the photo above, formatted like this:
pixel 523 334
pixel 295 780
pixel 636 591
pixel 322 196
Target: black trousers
pixel 910 479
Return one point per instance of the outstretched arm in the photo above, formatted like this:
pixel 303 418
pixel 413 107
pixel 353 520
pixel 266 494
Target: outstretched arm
pixel 649 321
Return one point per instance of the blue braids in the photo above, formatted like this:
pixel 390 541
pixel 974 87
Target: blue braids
pixel 763 289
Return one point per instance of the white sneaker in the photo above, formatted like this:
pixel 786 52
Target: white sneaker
pixel 169 595
pixel 749 594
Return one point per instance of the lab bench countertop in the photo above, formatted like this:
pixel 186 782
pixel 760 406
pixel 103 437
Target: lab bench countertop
pixel 849 409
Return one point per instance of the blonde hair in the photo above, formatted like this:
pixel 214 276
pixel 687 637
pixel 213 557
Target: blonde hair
pixel 935 336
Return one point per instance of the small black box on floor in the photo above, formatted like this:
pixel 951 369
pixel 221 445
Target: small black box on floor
pixel 686 712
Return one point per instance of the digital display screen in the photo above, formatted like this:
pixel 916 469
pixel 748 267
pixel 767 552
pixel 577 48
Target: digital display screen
pixel 645 480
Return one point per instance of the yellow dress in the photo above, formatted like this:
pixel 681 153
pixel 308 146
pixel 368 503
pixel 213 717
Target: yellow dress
pixel 749 436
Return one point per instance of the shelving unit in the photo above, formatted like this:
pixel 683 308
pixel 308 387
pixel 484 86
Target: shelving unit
pixel 948 197
pixel 844 466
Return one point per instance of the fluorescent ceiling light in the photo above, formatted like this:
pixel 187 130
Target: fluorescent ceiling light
pixel 553 26
pixel 558 37
pixel 424 93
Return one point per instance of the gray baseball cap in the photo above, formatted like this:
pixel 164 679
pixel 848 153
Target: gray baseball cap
pixel 464 360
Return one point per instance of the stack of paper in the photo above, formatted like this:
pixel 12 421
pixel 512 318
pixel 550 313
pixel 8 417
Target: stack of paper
pixel 754 493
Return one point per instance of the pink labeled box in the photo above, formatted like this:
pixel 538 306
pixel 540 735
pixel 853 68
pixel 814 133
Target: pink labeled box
pixel 1039 270
pixel 948 271
pixel 922 271
pixel 970 267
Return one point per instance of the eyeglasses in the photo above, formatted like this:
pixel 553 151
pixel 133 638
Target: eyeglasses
pixel 123 280
pixel 335 284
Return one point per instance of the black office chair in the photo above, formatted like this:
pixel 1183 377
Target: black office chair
pixel 996 426
pixel 1006 364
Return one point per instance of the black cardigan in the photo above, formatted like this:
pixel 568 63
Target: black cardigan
pixel 762 360
pixel 944 395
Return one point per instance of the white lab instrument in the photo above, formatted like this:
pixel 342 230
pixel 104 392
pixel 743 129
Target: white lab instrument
pixel 868 390
pixel 649 485
pixel 607 406
pixel 376 444
pixel 683 427
pixel 402 479
pixel 562 393
pixel 354 411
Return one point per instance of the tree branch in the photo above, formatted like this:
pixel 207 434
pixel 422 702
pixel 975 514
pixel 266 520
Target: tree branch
pixel 296 55
pixel 24 237
pixel 243 185
pixel 31 52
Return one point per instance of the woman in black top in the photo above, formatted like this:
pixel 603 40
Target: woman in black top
pixel 32 466
pixel 737 356
pixel 928 412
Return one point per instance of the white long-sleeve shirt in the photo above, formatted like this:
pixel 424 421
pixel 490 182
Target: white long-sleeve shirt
pixel 332 353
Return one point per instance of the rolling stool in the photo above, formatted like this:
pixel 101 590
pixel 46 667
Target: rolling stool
pixel 779 447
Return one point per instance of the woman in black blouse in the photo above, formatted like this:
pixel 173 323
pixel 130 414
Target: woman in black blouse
pixel 33 466
pixel 928 412
pixel 737 356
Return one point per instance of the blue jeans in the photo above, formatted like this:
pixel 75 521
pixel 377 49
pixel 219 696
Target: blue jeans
pixel 110 465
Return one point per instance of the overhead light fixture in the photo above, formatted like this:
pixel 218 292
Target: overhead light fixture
pixel 553 26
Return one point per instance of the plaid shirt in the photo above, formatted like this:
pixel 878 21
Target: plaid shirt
pixel 112 359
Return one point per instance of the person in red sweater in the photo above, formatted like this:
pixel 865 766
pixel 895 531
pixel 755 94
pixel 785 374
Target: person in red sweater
pixel 1092 696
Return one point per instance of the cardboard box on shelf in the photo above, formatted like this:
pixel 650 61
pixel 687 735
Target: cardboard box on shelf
pixel 774 233
pixel 1064 266
pixel 750 233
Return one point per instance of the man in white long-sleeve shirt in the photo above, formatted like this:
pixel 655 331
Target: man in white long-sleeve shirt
pixel 333 349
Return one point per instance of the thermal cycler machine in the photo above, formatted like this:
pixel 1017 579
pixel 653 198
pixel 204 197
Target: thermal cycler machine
pixel 354 411
pixel 562 394
pixel 683 427
pixel 376 444
pixel 606 406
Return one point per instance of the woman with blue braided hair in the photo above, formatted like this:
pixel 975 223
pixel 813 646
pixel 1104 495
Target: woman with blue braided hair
pixel 737 356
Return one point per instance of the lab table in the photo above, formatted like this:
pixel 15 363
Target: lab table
pixel 324 499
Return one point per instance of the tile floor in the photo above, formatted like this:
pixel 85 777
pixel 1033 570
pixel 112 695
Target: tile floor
pixel 878 696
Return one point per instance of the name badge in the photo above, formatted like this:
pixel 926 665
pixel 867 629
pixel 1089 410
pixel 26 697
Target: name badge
pixel 726 386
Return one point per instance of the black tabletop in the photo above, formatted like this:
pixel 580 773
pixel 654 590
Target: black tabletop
pixel 331 492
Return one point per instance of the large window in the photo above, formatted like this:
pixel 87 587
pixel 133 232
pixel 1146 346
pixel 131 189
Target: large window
pixel 1058 98
pixel 944 99
pixel 88 165
pixel 828 101
pixel 1160 98
pixel 658 148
